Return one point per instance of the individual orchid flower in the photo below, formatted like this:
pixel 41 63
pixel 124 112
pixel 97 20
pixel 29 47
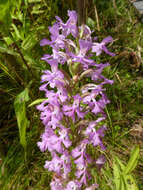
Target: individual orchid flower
pixel 100 161
pixel 99 47
pixel 92 187
pixel 56 184
pixel 53 77
pixel 50 142
pixel 73 185
pixel 55 164
pixel 70 26
pixel 70 110
pixel 64 138
pixel 66 164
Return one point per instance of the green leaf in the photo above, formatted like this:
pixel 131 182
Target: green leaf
pixel 130 182
pixel 117 175
pixel 29 57
pixel 90 22
pixel 37 102
pixel 122 180
pixel 8 40
pixel 132 161
pixel 20 111
pixel 5 49
pixel 120 164
pixel 122 184
pixel 29 42
pixel 118 168
pixel 37 9
pixel 16 33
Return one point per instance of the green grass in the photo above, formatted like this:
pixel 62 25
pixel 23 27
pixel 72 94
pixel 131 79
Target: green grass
pixel 126 94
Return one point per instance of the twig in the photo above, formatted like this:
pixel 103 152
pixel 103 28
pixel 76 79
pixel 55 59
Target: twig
pixel 118 78
pixel 97 18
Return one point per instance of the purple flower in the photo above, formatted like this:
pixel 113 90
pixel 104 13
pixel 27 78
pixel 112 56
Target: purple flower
pixel 75 108
pixel 46 57
pixel 44 42
pixel 54 165
pixel 85 46
pixel 50 141
pixel 70 26
pixel 66 99
pixel 80 150
pixel 94 135
pixel 66 164
pixel 82 173
pixel 57 39
pixel 64 138
pixel 99 47
pixel 51 113
pixel 85 32
pixel 94 105
pixel 54 77
pixel 96 73
pixel 73 185
pixel 81 160
pixel 60 165
pixel 100 161
pixel 92 187
pixel 56 184
pixel 45 112
pixel 81 55
pixel 54 30
pixel 82 164
pixel 62 93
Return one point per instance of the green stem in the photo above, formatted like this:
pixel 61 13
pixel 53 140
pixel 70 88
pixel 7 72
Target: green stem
pixel 110 121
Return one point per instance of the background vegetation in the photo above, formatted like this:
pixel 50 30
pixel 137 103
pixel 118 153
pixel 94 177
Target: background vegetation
pixel 23 23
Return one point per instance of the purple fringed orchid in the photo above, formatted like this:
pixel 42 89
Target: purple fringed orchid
pixel 92 187
pixel 99 47
pixel 50 142
pixel 73 185
pixel 75 108
pixel 70 26
pixel 57 164
pixel 56 184
pixel 73 111
pixel 94 135
pixel 54 77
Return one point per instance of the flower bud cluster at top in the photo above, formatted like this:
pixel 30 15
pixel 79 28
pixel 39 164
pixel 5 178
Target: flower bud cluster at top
pixel 73 112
